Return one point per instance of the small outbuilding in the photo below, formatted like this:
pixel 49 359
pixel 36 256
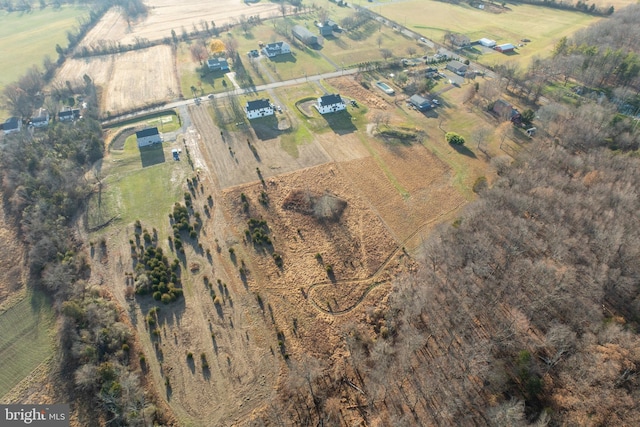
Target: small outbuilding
pixel 420 102
pixel 487 42
pixel 457 67
pixel 218 64
pixel 330 104
pixel 304 35
pixel 258 108
pixel 505 48
pixel 148 136
pixel 12 125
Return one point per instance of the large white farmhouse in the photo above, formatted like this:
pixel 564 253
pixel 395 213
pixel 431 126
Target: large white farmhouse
pixel 148 136
pixel 259 108
pixel 330 104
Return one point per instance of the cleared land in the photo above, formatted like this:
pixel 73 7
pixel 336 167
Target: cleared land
pixel 334 194
pixel 129 80
pixel 544 26
pixel 26 340
pixel 167 15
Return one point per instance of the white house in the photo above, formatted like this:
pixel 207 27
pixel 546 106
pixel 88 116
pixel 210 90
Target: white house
pixel 218 64
pixel 330 104
pixel 259 108
pixel 41 120
pixel 12 125
pixel 487 42
pixel 148 136
pixel 275 49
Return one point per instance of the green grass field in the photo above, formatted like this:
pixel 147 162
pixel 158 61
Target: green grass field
pixel 141 184
pixel 25 38
pixel 543 26
pixel 26 340
pixel 192 73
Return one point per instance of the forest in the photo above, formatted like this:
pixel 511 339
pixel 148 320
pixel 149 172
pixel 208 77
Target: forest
pixel 525 309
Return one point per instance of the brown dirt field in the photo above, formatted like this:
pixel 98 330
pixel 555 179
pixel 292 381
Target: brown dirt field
pixel 128 80
pixel 350 88
pixel 167 15
pixel 425 178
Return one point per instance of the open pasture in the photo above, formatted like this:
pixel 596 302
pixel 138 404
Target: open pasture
pixel 543 26
pixel 25 38
pixel 167 15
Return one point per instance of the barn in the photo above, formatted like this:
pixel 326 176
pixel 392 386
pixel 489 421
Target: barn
pixel 487 42
pixel 148 136
pixel 505 48
pixel 304 35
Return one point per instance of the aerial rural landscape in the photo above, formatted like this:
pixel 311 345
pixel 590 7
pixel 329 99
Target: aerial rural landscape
pixel 297 212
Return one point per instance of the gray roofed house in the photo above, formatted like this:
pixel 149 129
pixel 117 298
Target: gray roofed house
pixel 218 64
pixel 12 125
pixel 275 49
pixel 457 67
pixel 41 119
pixel 420 102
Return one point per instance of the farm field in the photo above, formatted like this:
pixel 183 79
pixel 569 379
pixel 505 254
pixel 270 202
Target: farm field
pixel 166 15
pixel 25 38
pixel 543 26
pixel 129 80
pixel 26 340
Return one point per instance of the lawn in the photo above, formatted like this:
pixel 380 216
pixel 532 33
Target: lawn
pixel 193 74
pixel 25 38
pixel 142 183
pixel 544 26
pixel 27 339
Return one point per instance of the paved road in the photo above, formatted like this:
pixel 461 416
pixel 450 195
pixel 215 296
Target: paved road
pixel 234 92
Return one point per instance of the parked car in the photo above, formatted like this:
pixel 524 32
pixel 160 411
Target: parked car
pixel 176 155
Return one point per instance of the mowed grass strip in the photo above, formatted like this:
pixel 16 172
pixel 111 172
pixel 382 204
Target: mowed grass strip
pixel 26 339
pixel 25 38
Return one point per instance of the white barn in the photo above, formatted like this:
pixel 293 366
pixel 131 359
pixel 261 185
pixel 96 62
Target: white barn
pixel 148 136
pixel 487 42
pixel 259 108
pixel 330 104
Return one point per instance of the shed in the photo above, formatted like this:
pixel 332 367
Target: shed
pixel 148 136
pixel 304 35
pixel 505 48
pixel 457 67
pixel 421 103
pixel 487 42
